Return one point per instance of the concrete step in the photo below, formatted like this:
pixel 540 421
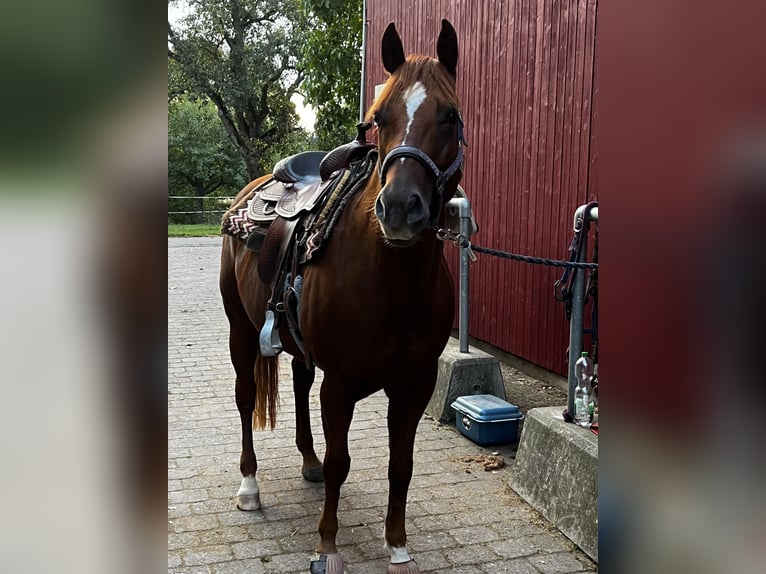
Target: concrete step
pixel 556 472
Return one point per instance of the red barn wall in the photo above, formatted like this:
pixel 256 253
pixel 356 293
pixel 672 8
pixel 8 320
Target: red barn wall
pixel 526 82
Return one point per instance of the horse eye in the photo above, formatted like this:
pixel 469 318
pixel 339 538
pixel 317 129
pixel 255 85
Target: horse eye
pixel 452 117
pixel 377 120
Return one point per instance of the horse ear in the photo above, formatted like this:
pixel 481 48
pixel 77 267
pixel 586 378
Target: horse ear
pixel 391 49
pixel 446 47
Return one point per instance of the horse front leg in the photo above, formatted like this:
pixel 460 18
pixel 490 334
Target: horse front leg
pixel 405 410
pixel 337 411
pixel 303 379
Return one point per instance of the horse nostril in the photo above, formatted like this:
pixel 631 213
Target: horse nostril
pixel 380 209
pixel 415 209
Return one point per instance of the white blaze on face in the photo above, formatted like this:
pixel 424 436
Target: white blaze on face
pixel 413 98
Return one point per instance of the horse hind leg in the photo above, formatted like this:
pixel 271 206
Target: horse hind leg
pixel 303 379
pixel 243 347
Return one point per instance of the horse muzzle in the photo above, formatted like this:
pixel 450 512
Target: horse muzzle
pixel 402 212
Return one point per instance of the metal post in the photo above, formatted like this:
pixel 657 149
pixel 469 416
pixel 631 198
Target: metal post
pixel 363 83
pixel 464 211
pixel 581 223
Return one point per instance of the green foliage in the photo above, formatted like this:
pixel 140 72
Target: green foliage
pixel 244 56
pixel 201 159
pixel 332 59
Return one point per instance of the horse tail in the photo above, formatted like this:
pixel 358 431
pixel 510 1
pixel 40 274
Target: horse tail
pixel 266 392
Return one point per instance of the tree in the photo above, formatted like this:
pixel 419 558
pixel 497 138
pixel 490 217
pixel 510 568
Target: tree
pixel 200 157
pixel 244 56
pixel 333 63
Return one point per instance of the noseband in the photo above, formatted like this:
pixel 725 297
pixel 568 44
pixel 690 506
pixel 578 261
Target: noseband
pixel 442 177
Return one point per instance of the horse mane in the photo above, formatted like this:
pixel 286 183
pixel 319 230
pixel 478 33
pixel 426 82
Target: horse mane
pixel 416 68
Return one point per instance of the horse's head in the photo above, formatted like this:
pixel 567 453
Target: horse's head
pixel 420 137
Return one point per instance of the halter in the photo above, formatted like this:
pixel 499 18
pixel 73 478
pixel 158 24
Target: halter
pixel 442 177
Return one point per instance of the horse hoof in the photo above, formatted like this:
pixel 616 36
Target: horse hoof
pixel 405 568
pixel 327 564
pixel 313 473
pixel 248 501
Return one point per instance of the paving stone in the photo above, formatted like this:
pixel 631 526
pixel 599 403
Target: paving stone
pixel 192 523
pixel 212 505
pixel 225 535
pixel 516 528
pixel 459 518
pixel 551 543
pixel 253 566
pixel 180 541
pixel 560 563
pixel 514 548
pixel 474 554
pixel 474 535
pixel 176 510
pixel 431 541
pixel 520 566
pixel 188 495
pixel 207 555
pixel 288 562
pixel 433 561
pixel 255 548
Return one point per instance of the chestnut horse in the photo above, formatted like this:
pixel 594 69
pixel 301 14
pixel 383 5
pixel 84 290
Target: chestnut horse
pixel 377 304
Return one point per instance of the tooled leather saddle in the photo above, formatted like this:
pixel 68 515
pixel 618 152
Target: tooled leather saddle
pixel 286 219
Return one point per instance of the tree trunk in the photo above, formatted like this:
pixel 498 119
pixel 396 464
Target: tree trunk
pixel 199 216
pixel 253 170
pixel 236 137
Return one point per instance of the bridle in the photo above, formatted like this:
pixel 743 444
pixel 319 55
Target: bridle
pixel 414 152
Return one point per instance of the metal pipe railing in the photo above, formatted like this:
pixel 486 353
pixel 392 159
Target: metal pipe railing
pixel 581 225
pixel 463 206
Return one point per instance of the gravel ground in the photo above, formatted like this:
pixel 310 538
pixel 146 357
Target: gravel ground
pixel 526 392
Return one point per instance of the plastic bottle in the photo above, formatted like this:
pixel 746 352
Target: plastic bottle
pixel 583 375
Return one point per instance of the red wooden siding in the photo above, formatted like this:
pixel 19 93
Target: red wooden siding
pixel 526 82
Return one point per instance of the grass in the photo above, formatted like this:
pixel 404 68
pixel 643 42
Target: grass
pixel 193 230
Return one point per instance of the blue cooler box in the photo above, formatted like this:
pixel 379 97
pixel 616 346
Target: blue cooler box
pixel 487 419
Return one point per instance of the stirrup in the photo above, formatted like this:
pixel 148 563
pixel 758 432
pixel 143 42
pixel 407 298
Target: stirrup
pixel 269 340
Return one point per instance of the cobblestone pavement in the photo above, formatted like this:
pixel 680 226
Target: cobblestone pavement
pixel 459 517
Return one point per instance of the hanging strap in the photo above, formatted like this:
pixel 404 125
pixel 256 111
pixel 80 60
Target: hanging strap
pixel 562 288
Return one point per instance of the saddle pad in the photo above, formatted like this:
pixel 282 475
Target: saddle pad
pixel 237 224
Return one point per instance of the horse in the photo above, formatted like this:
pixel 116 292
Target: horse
pixel 378 304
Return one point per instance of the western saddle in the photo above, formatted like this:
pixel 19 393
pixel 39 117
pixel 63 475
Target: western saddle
pixel 286 219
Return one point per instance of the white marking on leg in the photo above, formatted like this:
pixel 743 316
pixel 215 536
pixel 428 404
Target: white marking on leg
pixel 413 99
pixel 249 495
pixel 248 486
pixel 398 555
